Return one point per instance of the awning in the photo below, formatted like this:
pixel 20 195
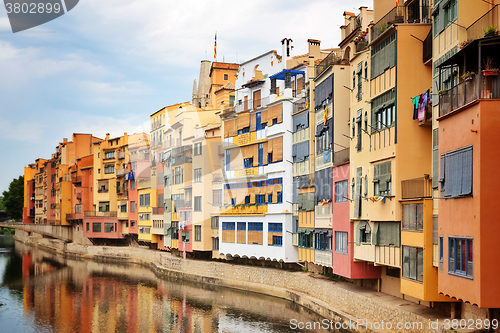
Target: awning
pixel 281 75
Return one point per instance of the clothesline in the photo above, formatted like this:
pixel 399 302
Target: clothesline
pixel 430 89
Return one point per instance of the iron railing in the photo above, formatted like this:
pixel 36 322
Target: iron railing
pixel 427 51
pixel 401 14
pixel 362 43
pixel 462 94
pixel 101 214
pixel 416 188
pixel 251 104
pixel 299 106
pixel 76 179
pixel 329 60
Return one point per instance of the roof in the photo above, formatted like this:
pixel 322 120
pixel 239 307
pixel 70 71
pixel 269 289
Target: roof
pixel 281 75
pixel 227 86
pixel 257 57
pixel 349 13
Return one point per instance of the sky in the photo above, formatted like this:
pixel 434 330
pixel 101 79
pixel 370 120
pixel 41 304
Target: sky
pixel 106 65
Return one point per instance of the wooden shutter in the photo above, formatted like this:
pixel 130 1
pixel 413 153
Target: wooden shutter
pixel 255 150
pixel 253 119
pixel 245 103
pixel 256 99
pixel 247 151
pixel 466 159
pixel 357 200
pixel 276 111
pixel 263 116
pixel 435 159
pixel 278 149
pixel 229 128
pixel 299 84
pixel 243 121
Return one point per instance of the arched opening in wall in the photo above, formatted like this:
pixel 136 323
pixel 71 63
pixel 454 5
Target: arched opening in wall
pixel 347 56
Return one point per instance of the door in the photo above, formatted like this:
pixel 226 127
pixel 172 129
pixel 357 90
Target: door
pixel 258 124
pixel 256 100
pixel 245 103
pixel 261 153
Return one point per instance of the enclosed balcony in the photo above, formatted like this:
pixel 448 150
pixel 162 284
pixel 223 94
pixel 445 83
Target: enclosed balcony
pixel 416 188
pixel 412 13
pixel 474 70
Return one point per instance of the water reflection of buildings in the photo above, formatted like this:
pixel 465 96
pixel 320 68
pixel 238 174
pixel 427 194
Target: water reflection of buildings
pixel 79 296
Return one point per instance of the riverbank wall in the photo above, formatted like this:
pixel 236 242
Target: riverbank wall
pixel 357 309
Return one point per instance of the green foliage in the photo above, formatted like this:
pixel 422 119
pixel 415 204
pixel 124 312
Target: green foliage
pixel 13 199
pixel 489 30
pixel 2 207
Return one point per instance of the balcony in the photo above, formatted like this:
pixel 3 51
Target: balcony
pixel 121 155
pixel 217 178
pixel 99 214
pixel 476 30
pixel 329 60
pixel 181 159
pixel 121 172
pixel 362 42
pixel 76 179
pixel 323 258
pixel 158 210
pixel 228 111
pixel 252 104
pixel 244 210
pixel 409 14
pixel 341 156
pixel 73 216
pixel 352 26
pixel 183 204
pixel 103 190
pixel 416 188
pixel 465 93
pixel 388 256
pixel 299 106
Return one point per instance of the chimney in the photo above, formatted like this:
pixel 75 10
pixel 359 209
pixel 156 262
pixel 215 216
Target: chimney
pixel 65 140
pixel 107 136
pixel 286 49
pixel 314 48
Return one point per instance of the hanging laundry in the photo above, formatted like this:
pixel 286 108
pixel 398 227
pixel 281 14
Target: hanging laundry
pixel 422 102
pixel 378 198
pixel 414 101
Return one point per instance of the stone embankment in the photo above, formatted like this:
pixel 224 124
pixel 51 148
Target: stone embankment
pixel 340 302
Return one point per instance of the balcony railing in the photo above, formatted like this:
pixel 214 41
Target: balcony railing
pixel 299 106
pixel 341 156
pixel 427 52
pixel 416 188
pixel 121 155
pixel 101 214
pixel 74 216
pixel 158 210
pixel 464 93
pixel 401 14
pixel 182 203
pixel 181 159
pixel 252 104
pixel 476 30
pixel 121 172
pixel 329 60
pixel 362 42
pixel 76 179
pixel 103 190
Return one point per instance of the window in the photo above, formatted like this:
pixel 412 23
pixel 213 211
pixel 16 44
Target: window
pixel 99 170
pixel 104 206
pixel 177 175
pixel 341 191
pixel 269 158
pixel 275 227
pixel 456 173
pixel 227 225
pixel 275 121
pixel 215 244
pixel 197 204
pixel 255 226
pixel 277 240
pixel 132 206
pixel 132 224
pixel 363 233
pixel 144 200
pixel 175 230
pixel 383 111
pixel 261 153
pixel 413 263
pixel 96 227
pixel 123 208
pixel 305 239
pixel 132 185
pixel 341 242
pixel 110 154
pixel 242 226
pixel 197 175
pixel 382 178
pixel 460 259
pixel 109 227
pixel 217 197
pixel 109 169
pixel 185 236
pixel 383 56
pixel 244 130
pixel 360 81
pixel 441 249
pixel 413 217
pixel 226 77
pixel 247 199
pixel 280 197
pixel 270 198
pixel 228 159
pixel 197 233
pixel 197 149
pixel 145 230
pixel 233 201
pixel 260 199
pixel 215 222
pixel 88 227
pixel 248 162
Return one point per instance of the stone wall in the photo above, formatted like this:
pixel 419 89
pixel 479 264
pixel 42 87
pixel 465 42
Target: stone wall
pixel 337 301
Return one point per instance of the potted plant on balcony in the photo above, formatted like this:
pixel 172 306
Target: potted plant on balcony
pixel 468 75
pixel 489 68
pixel 490 31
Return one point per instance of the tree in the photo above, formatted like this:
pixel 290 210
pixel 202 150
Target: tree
pixel 2 207
pixel 13 199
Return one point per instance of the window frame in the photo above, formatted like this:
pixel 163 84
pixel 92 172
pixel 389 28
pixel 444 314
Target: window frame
pixel 342 242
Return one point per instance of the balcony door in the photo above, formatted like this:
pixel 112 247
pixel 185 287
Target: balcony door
pixel 256 99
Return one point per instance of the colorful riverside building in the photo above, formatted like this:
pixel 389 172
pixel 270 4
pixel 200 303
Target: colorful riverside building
pixel 356 55
pixel 107 220
pixel 29 194
pixel 256 221
pixel 391 145
pixel 465 132
pixel 187 202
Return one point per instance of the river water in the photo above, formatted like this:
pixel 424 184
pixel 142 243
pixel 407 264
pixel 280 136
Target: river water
pixel 42 292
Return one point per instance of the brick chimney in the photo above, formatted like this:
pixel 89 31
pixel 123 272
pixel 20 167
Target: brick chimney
pixel 314 48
